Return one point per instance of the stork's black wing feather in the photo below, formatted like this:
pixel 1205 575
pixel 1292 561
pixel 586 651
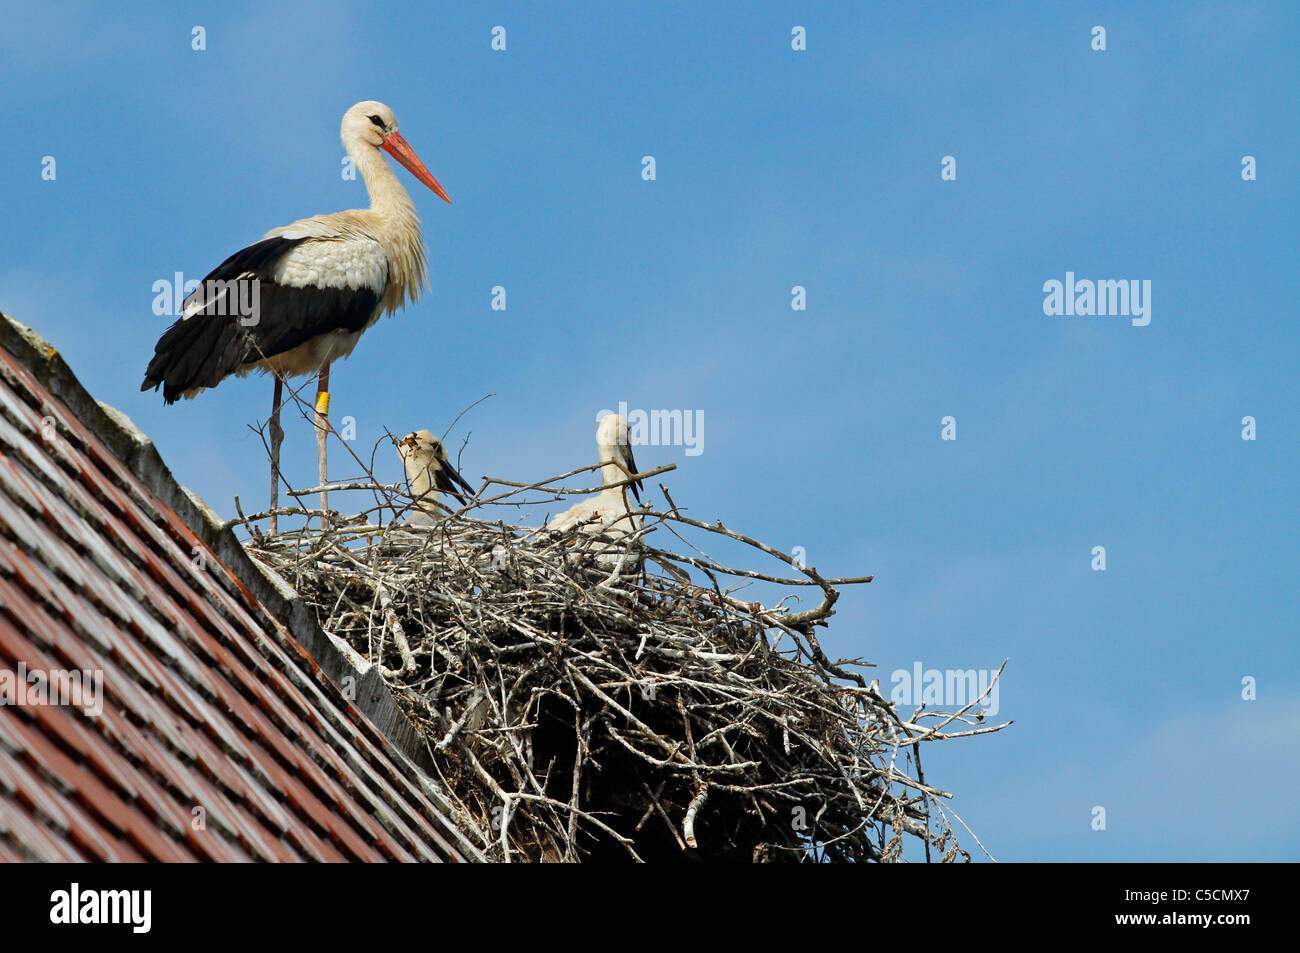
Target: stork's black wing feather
pixel 214 341
pixel 631 464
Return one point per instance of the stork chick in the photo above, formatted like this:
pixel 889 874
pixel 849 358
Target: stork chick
pixel 427 472
pixel 609 512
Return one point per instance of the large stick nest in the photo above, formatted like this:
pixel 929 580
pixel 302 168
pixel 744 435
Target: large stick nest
pixel 589 700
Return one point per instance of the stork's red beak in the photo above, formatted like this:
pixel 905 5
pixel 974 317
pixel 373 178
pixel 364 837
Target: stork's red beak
pixel 400 149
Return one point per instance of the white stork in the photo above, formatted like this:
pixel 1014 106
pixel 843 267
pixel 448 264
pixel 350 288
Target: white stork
pixel 609 512
pixel 428 471
pixel 316 286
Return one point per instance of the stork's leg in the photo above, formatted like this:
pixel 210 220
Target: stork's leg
pixel 322 432
pixel 277 435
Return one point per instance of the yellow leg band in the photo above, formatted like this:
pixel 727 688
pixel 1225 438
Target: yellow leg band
pixel 323 403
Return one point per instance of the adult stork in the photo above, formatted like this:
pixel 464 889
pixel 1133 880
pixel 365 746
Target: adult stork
pixel 315 286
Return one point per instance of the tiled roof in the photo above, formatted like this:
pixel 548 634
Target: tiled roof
pixel 224 734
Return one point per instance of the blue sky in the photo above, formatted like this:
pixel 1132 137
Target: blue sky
pixel 778 168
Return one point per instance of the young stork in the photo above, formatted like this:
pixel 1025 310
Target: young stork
pixel 427 471
pixel 315 286
pixel 609 512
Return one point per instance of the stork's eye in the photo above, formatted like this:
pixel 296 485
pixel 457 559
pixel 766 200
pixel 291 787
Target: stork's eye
pixel 377 121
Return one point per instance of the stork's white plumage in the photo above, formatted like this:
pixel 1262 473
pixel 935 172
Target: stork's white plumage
pixel 316 286
pixel 427 472
pixel 609 512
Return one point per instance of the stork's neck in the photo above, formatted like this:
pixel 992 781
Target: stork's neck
pixel 387 194
pixel 611 473
pixel 421 479
pixel 398 221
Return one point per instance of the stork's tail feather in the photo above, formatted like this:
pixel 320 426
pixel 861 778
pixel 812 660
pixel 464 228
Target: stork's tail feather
pixel 197 352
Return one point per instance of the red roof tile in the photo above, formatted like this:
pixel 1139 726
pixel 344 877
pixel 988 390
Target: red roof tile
pixel 221 736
